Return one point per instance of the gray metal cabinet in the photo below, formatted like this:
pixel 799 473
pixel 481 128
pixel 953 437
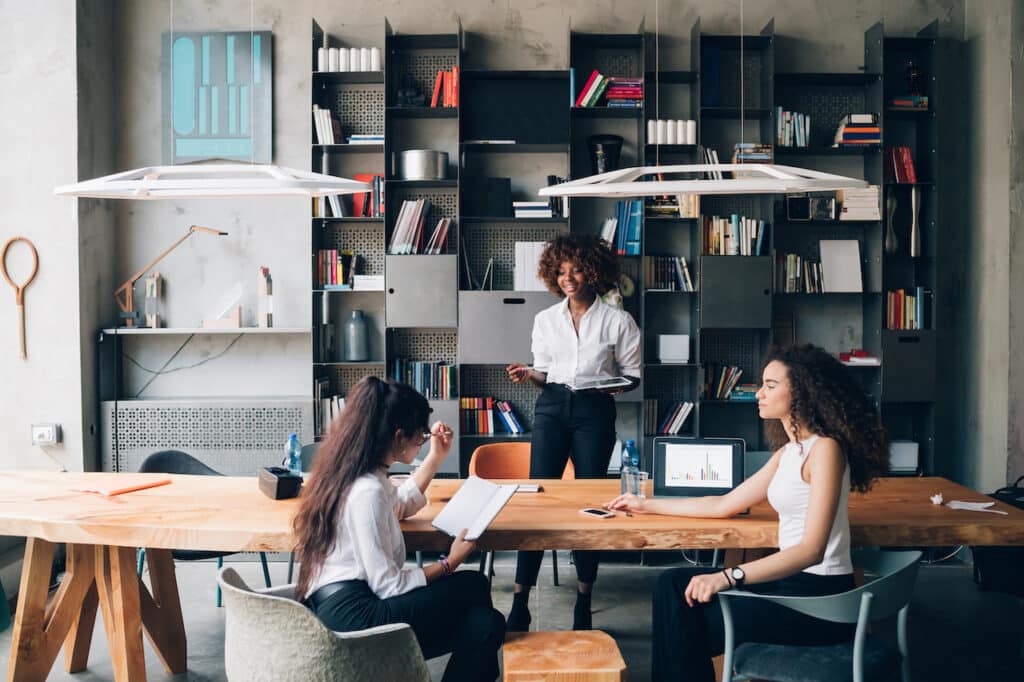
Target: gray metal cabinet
pixel 735 292
pixel 495 327
pixel 908 366
pixel 420 291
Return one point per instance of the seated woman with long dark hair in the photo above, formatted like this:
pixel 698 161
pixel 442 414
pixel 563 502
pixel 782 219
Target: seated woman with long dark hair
pixel 351 547
pixel 829 439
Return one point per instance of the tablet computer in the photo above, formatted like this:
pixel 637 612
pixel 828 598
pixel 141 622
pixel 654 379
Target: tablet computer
pixel 599 383
pixel 695 467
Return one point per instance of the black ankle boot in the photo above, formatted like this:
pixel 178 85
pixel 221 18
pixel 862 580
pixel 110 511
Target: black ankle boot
pixel 581 613
pixel 519 616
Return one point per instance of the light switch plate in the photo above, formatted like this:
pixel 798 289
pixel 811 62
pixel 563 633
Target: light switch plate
pixel 46 434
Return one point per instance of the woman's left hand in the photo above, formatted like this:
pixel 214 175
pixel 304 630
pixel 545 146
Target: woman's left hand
pixel 441 439
pixel 705 586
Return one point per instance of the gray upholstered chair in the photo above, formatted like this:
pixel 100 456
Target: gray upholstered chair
pixel 888 590
pixel 270 636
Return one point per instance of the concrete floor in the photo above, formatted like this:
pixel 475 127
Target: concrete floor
pixel 956 632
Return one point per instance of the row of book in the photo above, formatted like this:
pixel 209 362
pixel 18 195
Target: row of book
pixel 858 130
pixel 796 274
pixel 673 206
pixel 733 236
pixel 435 380
pixel 446 89
pixel 622 231
pixel 906 309
pixel 326 406
pixel 326 126
pixel 751 152
pixel 710 157
pixel 618 92
pixel 667 273
pixel 363 204
pixel 899 165
pixel 487 416
pixel 744 393
pixel 334 268
pixel 860 203
pixel 720 380
pixel 675 418
pixel 408 234
pixel 792 129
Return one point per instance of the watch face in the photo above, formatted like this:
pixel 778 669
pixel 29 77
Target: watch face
pixel 738 574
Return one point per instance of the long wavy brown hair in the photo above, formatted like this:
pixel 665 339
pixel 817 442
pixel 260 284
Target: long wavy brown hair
pixel 591 254
pixel 826 400
pixel 376 414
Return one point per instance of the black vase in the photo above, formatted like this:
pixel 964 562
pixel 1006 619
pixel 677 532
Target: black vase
pixel 604 152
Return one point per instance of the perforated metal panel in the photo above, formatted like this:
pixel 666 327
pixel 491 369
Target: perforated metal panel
pixel 746 205
pixel 498 241
pixel 344 378
pixel 419 68
pixel 366 240
pixel 360 110
pixel 753 69
pixel 443 204
pixel 483 381
pixel 740 348
pixel 234 436
pixel 624 64
pixel 670 383
pixel 825 106
pixel 434 345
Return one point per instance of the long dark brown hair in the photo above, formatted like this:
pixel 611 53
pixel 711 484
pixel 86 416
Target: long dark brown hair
pixel 588 252
pixel 358 443
pixel 826 400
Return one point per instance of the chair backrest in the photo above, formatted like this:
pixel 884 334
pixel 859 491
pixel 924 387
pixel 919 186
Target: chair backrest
pixel 308 455
pixel 175 462
pixel 270 636
pixel 508 460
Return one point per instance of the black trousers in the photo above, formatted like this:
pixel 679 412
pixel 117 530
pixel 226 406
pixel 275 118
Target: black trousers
pixel 452 614
pixel 684 639
pixel 568 424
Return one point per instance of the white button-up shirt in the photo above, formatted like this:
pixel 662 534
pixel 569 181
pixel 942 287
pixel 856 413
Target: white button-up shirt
pixel 608 343
pixel 369 544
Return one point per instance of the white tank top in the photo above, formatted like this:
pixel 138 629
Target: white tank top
pixel 788 493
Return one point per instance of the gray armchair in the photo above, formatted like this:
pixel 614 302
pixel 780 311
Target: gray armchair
pixel 270 636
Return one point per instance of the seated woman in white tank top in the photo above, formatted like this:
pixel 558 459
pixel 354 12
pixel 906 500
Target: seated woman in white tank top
pixel 829 439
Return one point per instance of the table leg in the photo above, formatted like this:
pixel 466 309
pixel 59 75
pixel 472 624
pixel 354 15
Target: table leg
pixel 79 638
pixel 39 630
pixel 118 587
pixel 161 612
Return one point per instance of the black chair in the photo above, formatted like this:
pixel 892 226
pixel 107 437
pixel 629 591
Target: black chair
pixel 178 462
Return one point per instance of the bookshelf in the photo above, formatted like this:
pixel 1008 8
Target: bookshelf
pixel 524 125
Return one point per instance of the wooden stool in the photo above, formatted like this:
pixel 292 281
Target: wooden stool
pixel 567 656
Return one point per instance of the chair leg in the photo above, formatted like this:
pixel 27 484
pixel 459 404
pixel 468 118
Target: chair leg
pixel 490 566
pixel 220 564
pixel 266 569
pixel 419 559
pixel 140 558
pixel 554 566
pixel 291 567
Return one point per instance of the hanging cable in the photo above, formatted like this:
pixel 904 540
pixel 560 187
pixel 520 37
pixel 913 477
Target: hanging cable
pixel 743 105
pixel 657 80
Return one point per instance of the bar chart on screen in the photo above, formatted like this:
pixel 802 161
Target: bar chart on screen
pixel 698 465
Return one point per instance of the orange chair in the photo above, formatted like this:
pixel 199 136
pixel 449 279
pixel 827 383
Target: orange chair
pixel 509 460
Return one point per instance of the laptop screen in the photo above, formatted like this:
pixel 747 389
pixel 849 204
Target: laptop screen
pixel 691 467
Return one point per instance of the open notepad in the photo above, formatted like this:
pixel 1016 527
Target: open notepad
pixel 473 507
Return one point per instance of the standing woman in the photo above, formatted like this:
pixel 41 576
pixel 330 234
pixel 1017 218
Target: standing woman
pixel 829 440
pixel 351 547
pixel 581 336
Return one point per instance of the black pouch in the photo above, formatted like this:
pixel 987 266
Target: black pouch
pixel 1001 568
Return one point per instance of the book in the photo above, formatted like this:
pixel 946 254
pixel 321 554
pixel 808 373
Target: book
pixel 840 264
pixel 586 88
pixel 473 507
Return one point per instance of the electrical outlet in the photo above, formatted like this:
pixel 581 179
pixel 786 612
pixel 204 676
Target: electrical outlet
pixel 46 434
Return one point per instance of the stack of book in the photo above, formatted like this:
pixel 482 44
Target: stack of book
pixel 899 165
pixel 797 275
pixel 435 380
pixel 508 417
pixel 326 126
pixel 326 407
pixel 666 273
pixel 625 93
pixel 905 308
pixel 858 130
pixel 675 418
pixel 744 393
pixel 733 236
pixel 446 89
pixel 407 236
pixel 909 102
pixel 367 282
pixel 792 129
pixel 751 152
pixel 532 209
pixel 622 232
pixel 366 138
pixel 674 206
pixel 859 203
pixel 334 269
pixel 720 381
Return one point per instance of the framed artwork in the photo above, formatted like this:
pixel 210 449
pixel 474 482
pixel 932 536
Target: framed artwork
pixel 218 96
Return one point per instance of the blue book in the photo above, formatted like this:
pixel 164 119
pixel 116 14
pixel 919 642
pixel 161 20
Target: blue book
pixel 636 212
pixel 572 87
pixel 760 236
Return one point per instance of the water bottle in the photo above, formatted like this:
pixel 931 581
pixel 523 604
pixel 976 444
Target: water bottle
pixel 629 469
pixel 293 455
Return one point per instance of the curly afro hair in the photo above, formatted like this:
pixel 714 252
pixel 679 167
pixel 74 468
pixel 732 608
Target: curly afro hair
pixel 592 255
pixel 826 399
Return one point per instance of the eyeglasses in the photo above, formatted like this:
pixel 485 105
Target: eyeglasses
pixel 425 436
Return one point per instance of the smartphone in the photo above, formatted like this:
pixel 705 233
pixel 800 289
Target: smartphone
pixel 599 513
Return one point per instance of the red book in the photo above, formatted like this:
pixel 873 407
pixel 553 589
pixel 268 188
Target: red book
pixel 586 88
pixel 908 164
pixel 437 89
pixel 455 86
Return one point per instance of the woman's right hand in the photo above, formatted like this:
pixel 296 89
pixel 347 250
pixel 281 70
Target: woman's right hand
pixel 461 549
pixel 628 502
pixel 517 372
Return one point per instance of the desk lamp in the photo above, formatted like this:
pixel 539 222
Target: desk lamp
pixel 124 295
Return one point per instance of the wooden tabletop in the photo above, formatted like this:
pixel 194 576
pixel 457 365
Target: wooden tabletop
pixel 231 514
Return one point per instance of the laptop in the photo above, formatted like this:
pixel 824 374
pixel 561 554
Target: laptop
pixel 696 467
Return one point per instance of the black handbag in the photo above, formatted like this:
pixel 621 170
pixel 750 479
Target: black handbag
pixel 1000 568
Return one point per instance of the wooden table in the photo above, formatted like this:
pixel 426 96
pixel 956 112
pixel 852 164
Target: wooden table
pixel 227 513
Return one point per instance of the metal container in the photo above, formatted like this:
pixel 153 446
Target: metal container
pixel 422 164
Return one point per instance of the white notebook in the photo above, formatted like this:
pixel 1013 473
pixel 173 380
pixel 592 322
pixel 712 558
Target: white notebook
pixel 473 507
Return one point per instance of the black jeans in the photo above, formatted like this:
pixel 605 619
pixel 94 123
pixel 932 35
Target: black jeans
pixel 684 639
pixel 452 614
pixel 568 424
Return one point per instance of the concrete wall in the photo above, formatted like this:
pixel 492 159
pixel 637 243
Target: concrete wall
pixel 1015 407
